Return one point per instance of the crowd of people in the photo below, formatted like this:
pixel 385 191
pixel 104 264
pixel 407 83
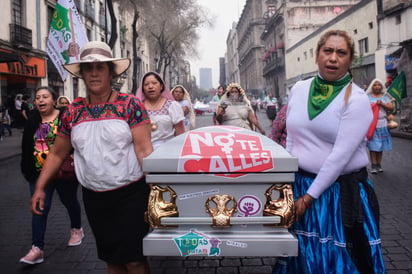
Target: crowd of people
pixel 107 134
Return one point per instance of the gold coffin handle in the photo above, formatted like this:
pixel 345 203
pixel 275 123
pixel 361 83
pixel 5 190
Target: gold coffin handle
pixel 284 206
pixel 158 208
pixel 221 213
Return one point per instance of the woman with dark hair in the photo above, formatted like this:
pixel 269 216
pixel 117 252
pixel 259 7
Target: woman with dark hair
pixel 38 137
pixel 166 115
pixel 182 96
pixel 337 212
pixel 216 98
pixel 110 134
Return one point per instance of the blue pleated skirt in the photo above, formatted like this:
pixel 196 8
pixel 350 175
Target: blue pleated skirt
pixel 381 140
pixel 322 241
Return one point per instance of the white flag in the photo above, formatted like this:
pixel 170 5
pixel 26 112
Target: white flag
pixel 66 36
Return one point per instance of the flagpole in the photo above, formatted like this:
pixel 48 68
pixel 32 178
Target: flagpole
pixel 105 20
pixel 71 26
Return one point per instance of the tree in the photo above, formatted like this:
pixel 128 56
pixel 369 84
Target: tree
pixel 128 5
pixel 113 29
pixel 172 26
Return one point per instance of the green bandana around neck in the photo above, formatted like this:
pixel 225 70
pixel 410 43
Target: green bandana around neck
pixel 322 92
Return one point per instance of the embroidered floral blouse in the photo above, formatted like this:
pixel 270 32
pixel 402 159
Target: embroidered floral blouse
pixel 43 141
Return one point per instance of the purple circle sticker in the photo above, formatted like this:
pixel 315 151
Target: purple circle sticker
pixel 249 205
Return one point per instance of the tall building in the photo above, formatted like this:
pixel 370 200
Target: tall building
pixel 205 78
pixel 222 71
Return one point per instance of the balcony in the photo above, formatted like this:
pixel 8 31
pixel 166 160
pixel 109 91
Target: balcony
pixel 20 36
pixel 274 64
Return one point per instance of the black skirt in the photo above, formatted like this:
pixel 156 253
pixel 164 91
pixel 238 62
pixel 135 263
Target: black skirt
pixel 117 221
pixel 271 112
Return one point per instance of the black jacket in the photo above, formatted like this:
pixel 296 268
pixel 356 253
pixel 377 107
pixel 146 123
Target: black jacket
pixel 27 164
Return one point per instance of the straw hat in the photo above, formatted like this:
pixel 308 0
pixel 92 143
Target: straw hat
pixel 96 51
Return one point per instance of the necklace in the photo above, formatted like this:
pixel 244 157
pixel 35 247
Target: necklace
pixel 154 106
pixel 107 100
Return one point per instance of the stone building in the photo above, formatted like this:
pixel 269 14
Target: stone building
pixel 286 23
pixel 232 69
pixel 360 22
pixel 249 28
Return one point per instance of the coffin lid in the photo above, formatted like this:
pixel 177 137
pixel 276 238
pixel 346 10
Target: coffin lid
pixel 220 149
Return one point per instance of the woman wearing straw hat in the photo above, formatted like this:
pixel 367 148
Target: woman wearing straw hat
pixel 110 134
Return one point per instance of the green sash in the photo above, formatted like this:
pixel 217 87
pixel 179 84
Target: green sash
pixel 322 92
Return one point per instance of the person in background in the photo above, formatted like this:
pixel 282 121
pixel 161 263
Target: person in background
pixel 234 109
pixel 6 122
pixel 63 101
pixel 279 131
pixel 165 113
pixel 381 140
pixel 25 107
pixel 337 212
pixel 38 138
pixel 272 107
pixel 110 134
pixel 216 98
pixel 182 96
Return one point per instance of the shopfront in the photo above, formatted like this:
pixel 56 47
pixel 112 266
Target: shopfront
pixel 20 73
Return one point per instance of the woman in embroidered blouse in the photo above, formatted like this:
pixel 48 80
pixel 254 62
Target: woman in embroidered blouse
pixel 165 113
pixel 337 213
pixel 38 137
pixel 110 134
pixel 381 140
pixel 182 96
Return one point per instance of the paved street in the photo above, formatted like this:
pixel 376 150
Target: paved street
pixel 393 188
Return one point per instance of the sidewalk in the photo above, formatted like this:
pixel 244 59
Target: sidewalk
pixel 11 145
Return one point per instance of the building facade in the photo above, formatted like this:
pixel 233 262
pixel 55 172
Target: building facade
pixel 232 67
pixel 24 64
pixel 23 60
pixel 205 79
pixel 361 23
pixel 286 23
pixel 249 28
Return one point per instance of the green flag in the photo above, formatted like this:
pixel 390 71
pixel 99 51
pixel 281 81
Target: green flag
pixel 61 20
pixel 398 87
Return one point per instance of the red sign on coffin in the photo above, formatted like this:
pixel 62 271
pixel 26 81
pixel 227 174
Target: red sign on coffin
pixel 228 154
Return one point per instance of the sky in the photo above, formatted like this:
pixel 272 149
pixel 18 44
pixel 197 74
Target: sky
pixel 212 40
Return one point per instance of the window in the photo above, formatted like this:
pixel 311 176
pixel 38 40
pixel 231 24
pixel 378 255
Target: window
pixel 355 31
pixel 305 54
pixel 17 12
pixel 311 53
pixel 398 19
pixel 363 46
pixel 370 25
pixel 50 11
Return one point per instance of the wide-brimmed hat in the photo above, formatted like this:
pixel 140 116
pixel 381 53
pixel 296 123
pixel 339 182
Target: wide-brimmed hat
pixel 96 51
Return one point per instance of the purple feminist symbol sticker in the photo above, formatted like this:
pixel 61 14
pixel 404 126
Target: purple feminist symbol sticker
pixel 249 205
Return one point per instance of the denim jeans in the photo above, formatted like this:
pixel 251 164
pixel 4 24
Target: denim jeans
pixel 67 191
